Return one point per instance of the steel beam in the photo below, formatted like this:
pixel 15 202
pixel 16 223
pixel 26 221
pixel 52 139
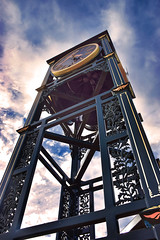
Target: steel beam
pixel 61 225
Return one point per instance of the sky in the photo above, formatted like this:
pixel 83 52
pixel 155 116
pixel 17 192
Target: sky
pixel 32 32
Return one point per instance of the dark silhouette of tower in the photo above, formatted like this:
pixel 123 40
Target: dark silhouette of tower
pixel 86 92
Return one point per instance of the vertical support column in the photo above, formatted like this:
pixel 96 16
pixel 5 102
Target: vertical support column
pixel 112 226
pixel 28 181
pixel 112 61
pixel 148 168
pixel 147 165
pixel 75 161
pixel 76 152
pixel 91 196
pixel 8 173
pixel 15 198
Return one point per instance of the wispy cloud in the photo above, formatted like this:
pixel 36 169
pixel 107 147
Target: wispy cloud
pixel 32 33
pixel 138 59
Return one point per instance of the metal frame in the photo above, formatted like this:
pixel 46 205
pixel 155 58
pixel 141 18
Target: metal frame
pixel 79 223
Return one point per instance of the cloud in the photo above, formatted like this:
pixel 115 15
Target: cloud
pixel 33 33
pixel 23 68
pixel 43 200
pixel 137 58
pixel 121 31
pixel 8 134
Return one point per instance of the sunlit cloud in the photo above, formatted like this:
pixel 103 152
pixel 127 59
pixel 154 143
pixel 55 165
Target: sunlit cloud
pixel 119 28
pixel 38 32
pixel 137 60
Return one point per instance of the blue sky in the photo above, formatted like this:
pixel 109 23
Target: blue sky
pixel 34 31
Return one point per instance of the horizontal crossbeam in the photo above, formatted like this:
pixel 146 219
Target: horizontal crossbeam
pixel 70 140
pixel 76 110
pixel 61 225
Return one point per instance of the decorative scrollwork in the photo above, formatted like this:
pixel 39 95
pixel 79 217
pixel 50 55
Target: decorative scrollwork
pixel 75 204
pixel 85 236
pixel 27 150
pixel 84 203
pixel 70 204
pixel 11 201
pixel 81 151
pixel 124 172
pixel 113 117
pixel 74 234
pixel 103 66
pixel 65 200
pixel 63 236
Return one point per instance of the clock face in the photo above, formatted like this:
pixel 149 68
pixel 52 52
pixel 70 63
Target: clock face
pixel 75 59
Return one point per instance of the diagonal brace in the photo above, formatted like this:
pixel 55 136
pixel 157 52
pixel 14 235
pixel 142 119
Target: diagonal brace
pixel 87 160
pixel 53 162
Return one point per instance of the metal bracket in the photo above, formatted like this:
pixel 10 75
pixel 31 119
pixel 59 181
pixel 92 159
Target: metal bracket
pixel 122 87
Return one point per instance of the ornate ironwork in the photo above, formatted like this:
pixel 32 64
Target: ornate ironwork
pixel 113 117
pixel 84 203
pixel 11 201
pixel 103 66
pixel 81 152
pixel 64 236
pixel 85 236
pixel 75 204
pixel 65 201
pixel 124 172
pixel 70 204
pixel 74 234
pixel 27 150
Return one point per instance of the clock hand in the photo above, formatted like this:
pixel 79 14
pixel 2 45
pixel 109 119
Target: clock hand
pixel 76 57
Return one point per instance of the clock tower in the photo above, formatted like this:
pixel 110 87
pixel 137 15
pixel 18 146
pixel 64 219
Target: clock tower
pixel 89 99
